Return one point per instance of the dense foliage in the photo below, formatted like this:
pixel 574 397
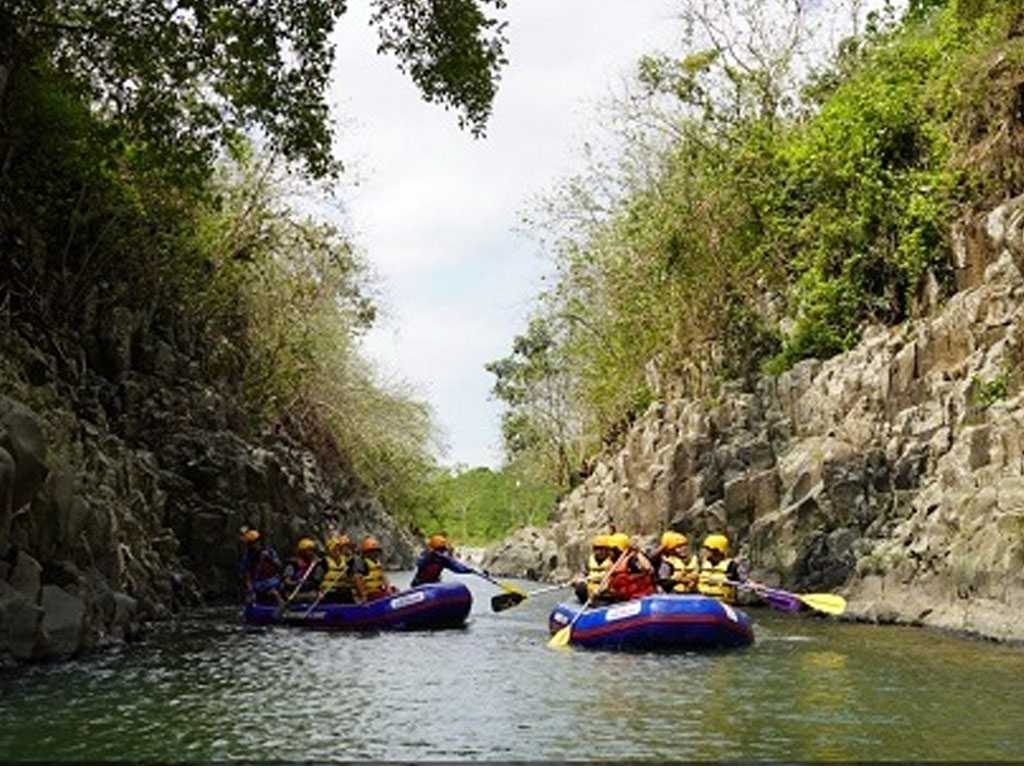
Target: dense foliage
pixel 478 505
pixel 134 207
pixel 189 78
pixel 755 215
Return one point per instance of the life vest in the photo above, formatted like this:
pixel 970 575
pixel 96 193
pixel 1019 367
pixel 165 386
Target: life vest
pixel 680 569
pixel 373 580
pixel 338 575
pixel 712 580
pixel 261 565
pixel 596 572
pixel 627 584
pixel 298 567
pixel 428 569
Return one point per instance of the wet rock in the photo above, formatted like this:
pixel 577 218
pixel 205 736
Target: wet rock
pixel 62 624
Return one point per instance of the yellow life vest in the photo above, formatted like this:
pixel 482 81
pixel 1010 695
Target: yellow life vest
pixel 338 574
pixel 373 579
pixel 712 581
pixel 680 569
pixel 596 571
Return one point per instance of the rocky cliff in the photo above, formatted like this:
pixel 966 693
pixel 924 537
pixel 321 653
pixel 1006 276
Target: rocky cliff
pixel 893 473
pixel 125 475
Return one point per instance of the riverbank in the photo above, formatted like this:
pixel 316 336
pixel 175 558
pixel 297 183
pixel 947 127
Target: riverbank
pixel 892 473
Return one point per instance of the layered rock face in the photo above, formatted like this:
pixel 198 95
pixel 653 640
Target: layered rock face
pixel 893 473
pixel 123 488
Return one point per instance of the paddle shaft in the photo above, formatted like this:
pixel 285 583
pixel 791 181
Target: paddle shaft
pixel 551 588
pixel 302 581
pixel 566 631
pixel 791 601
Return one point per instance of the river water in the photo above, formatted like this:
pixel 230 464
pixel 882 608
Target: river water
pixel 207 690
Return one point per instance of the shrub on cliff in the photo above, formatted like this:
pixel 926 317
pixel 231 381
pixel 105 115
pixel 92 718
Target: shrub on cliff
pixel 761 211
pixel 105 253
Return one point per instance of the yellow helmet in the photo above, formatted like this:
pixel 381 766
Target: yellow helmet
pixel 337 541
pixel 672 539
pixel 717 541
pixel 601 540
pixel 305 544
pixel 619 541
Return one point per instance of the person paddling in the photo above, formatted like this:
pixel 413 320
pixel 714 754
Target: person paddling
pixel 303 572
pixel 338 585
pixel 371 582
pixel 598 563
pixel 260 567
pixel 630 577
pixel 717 569
pixel 435 559
pixel 678 570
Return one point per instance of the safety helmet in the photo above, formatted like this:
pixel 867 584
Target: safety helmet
pixel 601 540
pixel 342 540
pixel 437 542
pixel 250 536
pixel 717 541
pixel 619 541
pixel 672 539
pixel 369 544
pixel 305 544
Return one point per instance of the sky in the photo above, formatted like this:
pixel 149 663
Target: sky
pixel 435 211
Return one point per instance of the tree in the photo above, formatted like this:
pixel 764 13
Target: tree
pixel 539 420
pixel 189 76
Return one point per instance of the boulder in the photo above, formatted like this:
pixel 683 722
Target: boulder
pixel 63 623
pixel 19 623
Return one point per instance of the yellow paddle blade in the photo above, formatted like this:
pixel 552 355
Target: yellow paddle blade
pixel 561 638
pixel 826 603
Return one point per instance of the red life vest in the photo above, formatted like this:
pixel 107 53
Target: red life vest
pixel 625 584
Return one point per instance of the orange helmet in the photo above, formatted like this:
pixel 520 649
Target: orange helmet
pixel 369 544
pixel 250 536
pixel 437 542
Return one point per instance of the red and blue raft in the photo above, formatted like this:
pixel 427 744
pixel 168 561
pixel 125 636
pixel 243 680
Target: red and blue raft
pixel 657 623
pixel 429 606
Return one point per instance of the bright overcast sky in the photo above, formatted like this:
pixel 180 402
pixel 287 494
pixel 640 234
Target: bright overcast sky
pixel 435 209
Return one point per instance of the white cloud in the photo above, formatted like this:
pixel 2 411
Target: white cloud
pixel 435 209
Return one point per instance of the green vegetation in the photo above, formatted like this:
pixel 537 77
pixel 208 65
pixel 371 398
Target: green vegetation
pixel 986 392
pixel 188 79
pixel 475 506
pixel 136 208
pixel 754 217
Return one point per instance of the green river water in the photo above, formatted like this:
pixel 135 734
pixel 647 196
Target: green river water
pixel 207 690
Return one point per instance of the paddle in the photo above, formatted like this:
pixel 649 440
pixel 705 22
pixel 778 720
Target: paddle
pixel 562 637
pixel 509 589
pixel 302 581
pixel 507 600
pixel 824 602
pixel 790 601
pixel 314 604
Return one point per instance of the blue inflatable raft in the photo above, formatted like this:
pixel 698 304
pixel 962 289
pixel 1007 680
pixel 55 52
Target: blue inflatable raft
pixel 657 623
pixel 429 606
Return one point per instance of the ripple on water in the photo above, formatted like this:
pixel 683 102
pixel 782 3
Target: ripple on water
pixel 212 691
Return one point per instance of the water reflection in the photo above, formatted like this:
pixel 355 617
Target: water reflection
pixel 808 691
